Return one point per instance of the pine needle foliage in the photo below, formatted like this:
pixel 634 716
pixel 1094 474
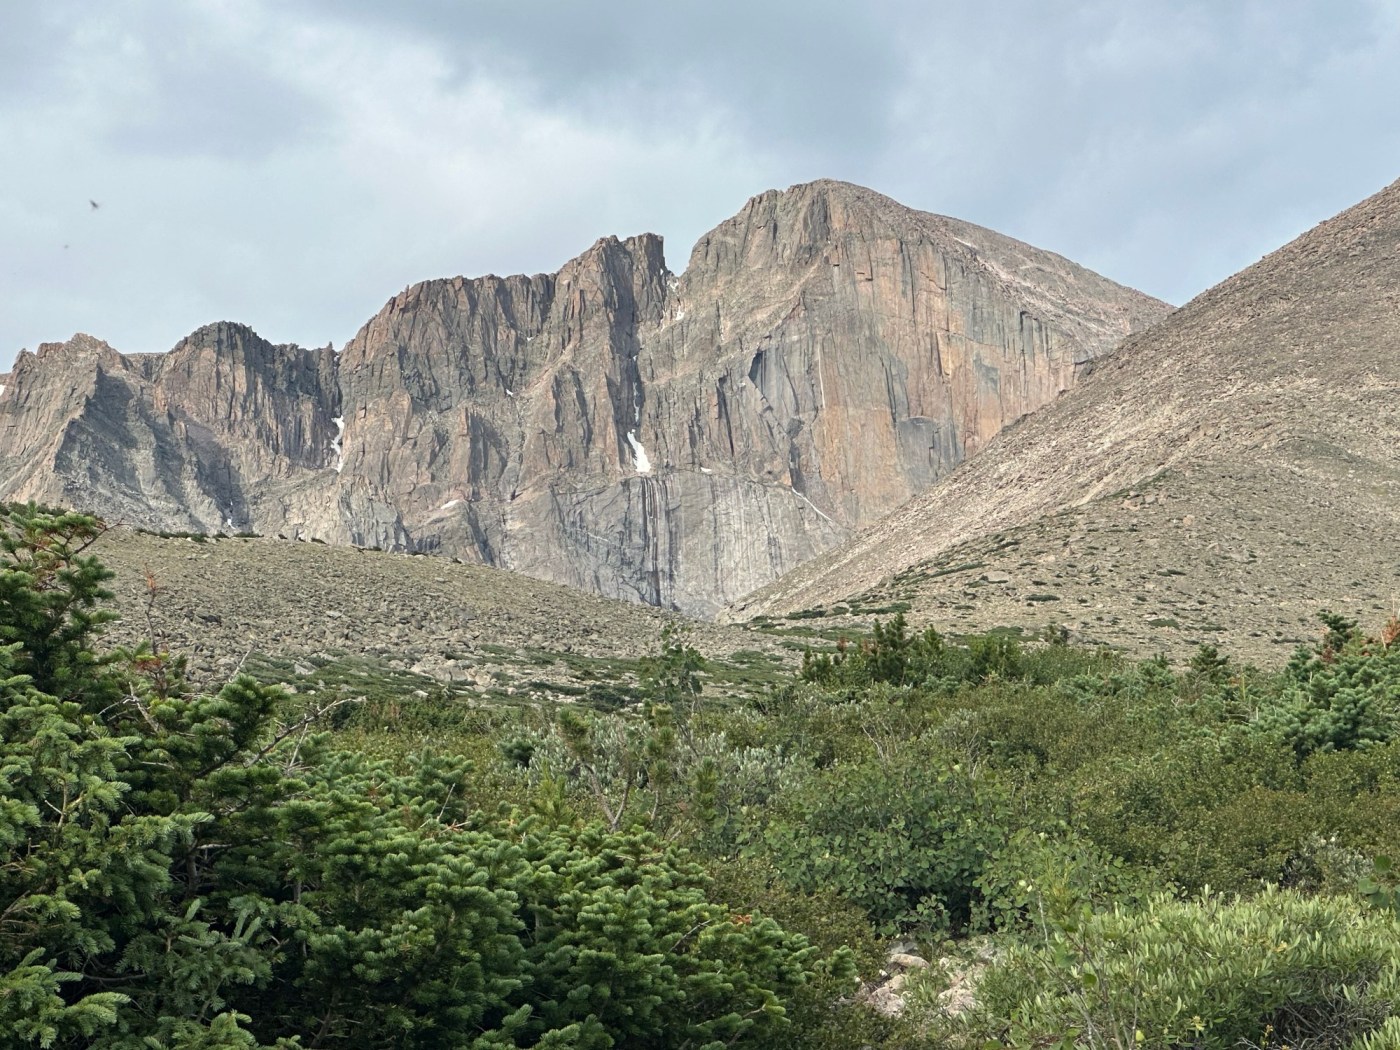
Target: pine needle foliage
pixel 187 870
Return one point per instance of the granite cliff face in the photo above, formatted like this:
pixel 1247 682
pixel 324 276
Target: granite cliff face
pixel 194 438
pixel 1224 475
pixel 676 440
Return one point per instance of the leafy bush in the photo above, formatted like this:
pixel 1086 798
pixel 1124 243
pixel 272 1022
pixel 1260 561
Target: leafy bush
pixel 905 839
pixel 1357 795
pixel 1282 969
pixel 1228 811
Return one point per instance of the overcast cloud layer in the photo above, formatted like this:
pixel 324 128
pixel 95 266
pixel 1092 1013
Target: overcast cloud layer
pixel 293 164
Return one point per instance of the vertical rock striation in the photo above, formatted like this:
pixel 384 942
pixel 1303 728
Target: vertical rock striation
pixel 680 441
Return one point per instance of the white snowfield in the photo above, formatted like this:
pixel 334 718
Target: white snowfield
pixel 339 422
pixel 639 453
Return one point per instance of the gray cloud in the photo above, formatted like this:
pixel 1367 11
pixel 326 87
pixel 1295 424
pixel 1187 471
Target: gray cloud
pixel 294 164
pixel 785 72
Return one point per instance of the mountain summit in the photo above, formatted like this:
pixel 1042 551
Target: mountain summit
pixel 677 440
pixel 1232 469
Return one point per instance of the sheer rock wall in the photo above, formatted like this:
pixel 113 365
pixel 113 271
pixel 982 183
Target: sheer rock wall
pixel 677 440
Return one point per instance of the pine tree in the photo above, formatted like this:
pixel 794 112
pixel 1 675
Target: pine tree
pixel 182 869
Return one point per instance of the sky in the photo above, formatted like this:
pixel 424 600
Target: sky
pixel 293 164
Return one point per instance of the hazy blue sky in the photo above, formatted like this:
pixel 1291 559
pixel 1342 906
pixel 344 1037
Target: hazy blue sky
pixel 293 164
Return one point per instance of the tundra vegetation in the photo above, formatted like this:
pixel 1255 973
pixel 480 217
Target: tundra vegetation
pixel 1135 855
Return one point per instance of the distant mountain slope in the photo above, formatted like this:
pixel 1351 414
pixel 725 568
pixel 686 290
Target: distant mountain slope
pixel 320 616
pixel 827 354
pixel 1228 471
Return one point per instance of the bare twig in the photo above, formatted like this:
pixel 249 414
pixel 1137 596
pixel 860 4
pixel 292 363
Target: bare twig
pixel 300 725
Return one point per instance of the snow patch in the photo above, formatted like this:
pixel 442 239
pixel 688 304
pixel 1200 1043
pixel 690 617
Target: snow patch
pixel 809 503
pixel 680 315
pixel 639 453
pixel 706 470
pixel 336 446
pixel 2 388
pixel 450 504
pixel 510 392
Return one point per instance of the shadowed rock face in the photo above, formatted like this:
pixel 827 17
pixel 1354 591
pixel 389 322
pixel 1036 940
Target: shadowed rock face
pixel 680 441
pixel 195 438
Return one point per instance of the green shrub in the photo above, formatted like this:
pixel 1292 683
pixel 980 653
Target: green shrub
pixel 1357 794
pixel 187 870
pixel 51 597
pixel 1227 811
pixel 889 656
pixel 904 839
pixel 892 656
pixel 1282 969
pixel 1345 696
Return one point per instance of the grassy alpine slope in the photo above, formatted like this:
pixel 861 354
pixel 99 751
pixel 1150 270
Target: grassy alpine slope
pixel 1108 852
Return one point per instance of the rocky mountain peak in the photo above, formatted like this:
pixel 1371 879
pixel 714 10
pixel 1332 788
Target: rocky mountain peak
pixel 80 346
pixel 1231 468
pixel 800 225
pixel 56 378
pixel 224 339
pixel 680 441
pixel 77 356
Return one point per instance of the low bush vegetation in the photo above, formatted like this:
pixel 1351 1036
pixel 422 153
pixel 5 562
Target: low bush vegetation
pixel 1123 854
pixel 1280 969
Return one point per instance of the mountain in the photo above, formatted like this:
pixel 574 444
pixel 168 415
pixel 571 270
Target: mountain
pixel 674 440
pixel 1228 472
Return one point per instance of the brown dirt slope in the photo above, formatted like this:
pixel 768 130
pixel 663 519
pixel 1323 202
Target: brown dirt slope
pixel 1222 477
pixel 311 612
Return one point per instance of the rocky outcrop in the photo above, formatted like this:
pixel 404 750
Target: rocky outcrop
pixel 198 438
pixel 675 440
